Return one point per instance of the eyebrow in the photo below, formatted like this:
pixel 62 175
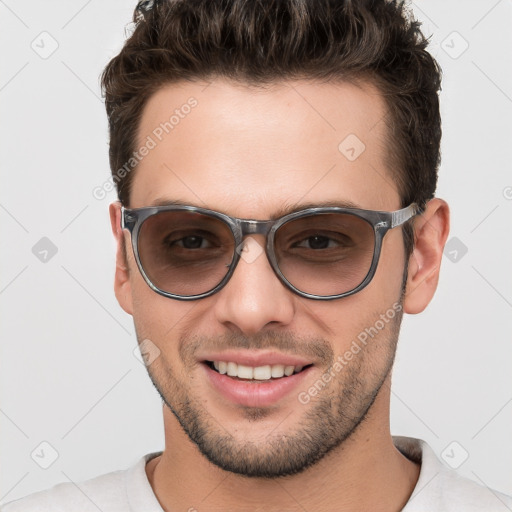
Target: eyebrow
pixel 286 209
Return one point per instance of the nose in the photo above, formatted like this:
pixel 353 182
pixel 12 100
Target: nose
pixel 254 298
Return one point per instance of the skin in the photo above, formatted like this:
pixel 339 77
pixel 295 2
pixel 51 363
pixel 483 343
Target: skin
pixel 247 152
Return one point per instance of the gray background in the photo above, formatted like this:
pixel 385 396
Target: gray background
pixel 69 376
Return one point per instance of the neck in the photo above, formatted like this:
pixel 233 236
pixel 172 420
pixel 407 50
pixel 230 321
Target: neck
pixel 366 472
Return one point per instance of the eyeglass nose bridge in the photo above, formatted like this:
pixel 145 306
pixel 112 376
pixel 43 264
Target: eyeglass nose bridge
pixel 242 228
pixel 246 227
pixel 254 227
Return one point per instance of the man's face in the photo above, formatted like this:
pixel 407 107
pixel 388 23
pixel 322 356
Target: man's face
pixel 248 152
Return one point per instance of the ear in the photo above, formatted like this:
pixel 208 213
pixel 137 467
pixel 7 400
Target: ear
pixel 122 285
pixel 430 234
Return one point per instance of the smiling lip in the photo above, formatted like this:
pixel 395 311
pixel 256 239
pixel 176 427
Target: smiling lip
pixel 255 393
pixel 255 358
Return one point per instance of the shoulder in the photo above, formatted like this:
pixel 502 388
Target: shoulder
pixel 84 496
pixel 441 488
pixel 462 494
pixel 111 492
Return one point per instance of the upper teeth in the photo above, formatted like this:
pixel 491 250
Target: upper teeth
pixel 257 373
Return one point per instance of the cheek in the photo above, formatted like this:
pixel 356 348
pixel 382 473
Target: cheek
pixel 164 322
pixel 156 317
pixel 390 272
pixel 368 314
pixel 159 320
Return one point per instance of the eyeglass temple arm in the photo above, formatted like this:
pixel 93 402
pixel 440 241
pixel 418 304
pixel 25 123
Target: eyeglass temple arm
pixel 126 219
pixel 403 215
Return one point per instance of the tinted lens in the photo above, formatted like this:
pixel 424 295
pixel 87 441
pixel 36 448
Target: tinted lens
pixel 325 254
pixel 185 253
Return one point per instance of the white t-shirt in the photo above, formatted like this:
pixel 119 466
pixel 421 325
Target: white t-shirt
pixel 439 489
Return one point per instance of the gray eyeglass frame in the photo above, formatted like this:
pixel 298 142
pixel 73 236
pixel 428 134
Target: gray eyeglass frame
pixel 381 221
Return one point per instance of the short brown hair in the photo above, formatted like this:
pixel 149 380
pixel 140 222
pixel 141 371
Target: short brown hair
pixel 263 41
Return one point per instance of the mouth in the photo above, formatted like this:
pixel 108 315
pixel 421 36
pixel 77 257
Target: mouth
pixel 257 385
pixel 262 373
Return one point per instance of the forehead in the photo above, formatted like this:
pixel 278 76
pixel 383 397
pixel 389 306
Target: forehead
pixel 247 150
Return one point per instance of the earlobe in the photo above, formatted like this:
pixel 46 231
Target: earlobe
pixel 430 234
pixel 122 284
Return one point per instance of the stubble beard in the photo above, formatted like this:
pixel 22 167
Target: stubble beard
pixel 327 422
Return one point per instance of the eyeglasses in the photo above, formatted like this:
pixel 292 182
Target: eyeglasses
pixel 188 253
